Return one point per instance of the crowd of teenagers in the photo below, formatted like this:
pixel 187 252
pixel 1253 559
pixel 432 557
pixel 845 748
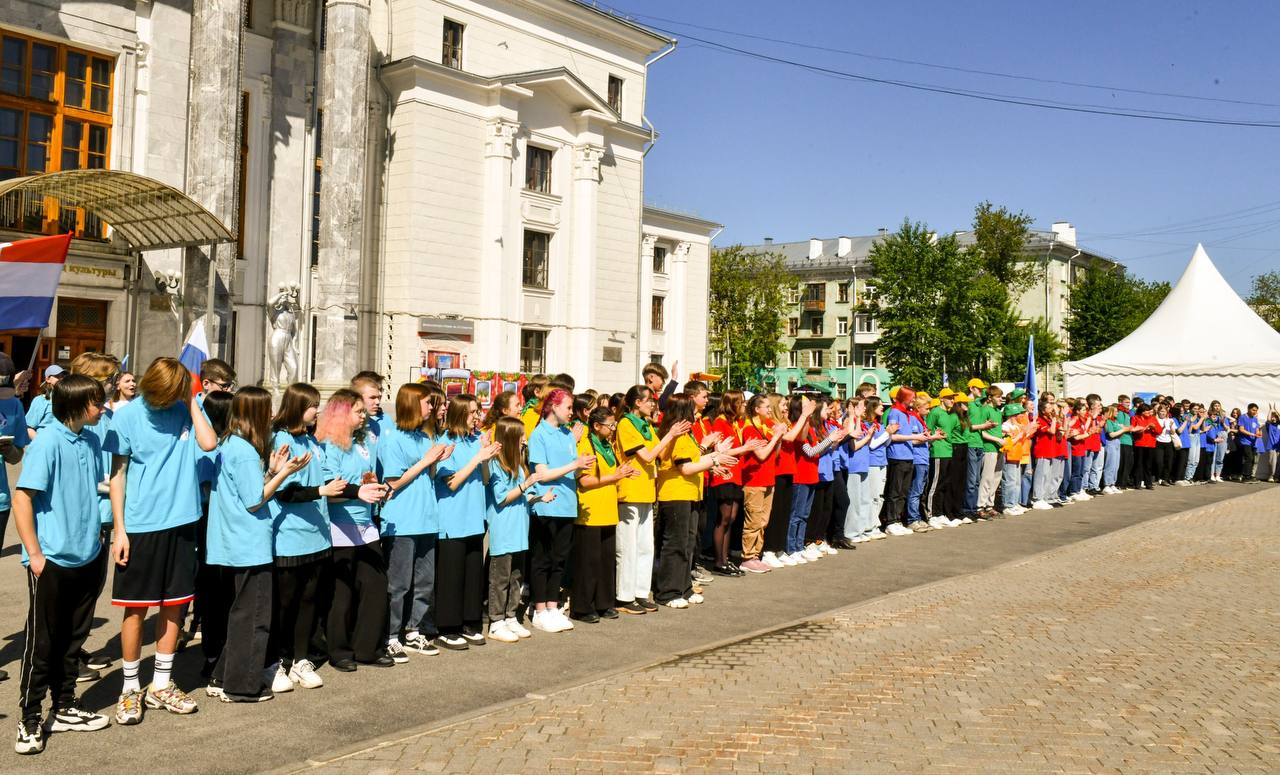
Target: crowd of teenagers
pixel 283 534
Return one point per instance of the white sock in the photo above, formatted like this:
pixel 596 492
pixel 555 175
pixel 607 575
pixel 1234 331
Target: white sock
pixel 130 670
pixel 164 665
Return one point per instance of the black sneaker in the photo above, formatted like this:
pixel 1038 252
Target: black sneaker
pixel 349 665
pixel 590 618
pixel 648 605
pixel 73 718
pixel 94 661
pixel 4 675
pixel 453 642
pixel 30 736
pixel 632 608
pixel 87 674
pixel 263 695
pixel 382 660
pixel 608 613
pixel 472 637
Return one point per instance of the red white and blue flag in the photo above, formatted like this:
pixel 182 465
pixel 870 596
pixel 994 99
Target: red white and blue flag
pixel 29 274
pixel 195 351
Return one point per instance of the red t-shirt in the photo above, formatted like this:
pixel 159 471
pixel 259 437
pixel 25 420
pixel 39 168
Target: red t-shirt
pixel 1094 442
pixel 731 431
pixel 806 467
pixel 1045 444
pixel 1148 439
pixel 784 459
pixel 757 472
pixel 1079 446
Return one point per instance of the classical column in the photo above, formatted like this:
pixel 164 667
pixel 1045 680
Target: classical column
pixel 335 296
pixel 213 152
pixel 644 337
pixel 582 273
pixel 678 306
pixel 496 342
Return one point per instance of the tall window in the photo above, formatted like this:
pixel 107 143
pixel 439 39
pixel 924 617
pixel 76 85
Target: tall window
pixel 55 114
pixel 842 359
pixel 793 326
pixel 659 260
pixel 793 295
pixel 869 360
pixel 815 326
pixel 842 293
pixel 615 94
pixel 315 191
pixel 815 359
pixel 452 54
pixel 793 359
pixel 536 256
pixel 815 292
pixel 533 351
pixel 866 324
pixel 842 326
pixel 537 169
pixel 656 309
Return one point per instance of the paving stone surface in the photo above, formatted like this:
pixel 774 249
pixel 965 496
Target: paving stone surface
pixel 1155 649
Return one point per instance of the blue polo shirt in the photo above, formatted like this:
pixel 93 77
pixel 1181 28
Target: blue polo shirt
pixel 100 431
pixel 919 449
pixel 462 511
pixel 62 470
pixel 879 455
pixel 899 450
pixel 1184 435
pixel 509 524
pixel 161 488
pixel 300 529
pixel 1251 424
pixel 555 447
pixel 12 423
pixel 349 464
pixel 40 413
pixel 237 537
pixel 412 510
pixel 859 460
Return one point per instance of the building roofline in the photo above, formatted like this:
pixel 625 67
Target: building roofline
pixel 684 217
pixel 621 20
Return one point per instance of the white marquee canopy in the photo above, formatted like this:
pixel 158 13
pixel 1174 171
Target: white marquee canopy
pixel 1203 343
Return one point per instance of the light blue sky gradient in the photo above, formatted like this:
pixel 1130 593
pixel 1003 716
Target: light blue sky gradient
pixel 772 150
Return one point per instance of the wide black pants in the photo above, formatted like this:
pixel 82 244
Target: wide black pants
pixel 358 607
pixel 957 481
pixel 820 515
pixel 1124 477
pixel 895 491
pixel 672 579
pixel 775 530
pixel 293 616
pixel 460 584
pixel 550 539
pixel 594 569
pixel 59 614
pixel 246 628
pixel 839 506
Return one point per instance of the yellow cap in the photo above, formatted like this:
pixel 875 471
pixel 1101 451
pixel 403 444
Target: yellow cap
pixel 934 403
pixel 961 398
pixel 893 393
pixel 923 394
pixel 977 383
pixel 946 393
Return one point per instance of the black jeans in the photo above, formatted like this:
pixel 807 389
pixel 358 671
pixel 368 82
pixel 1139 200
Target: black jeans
pixel 460 584
pixel 1124 477
pixel 937 491
pixel 956 481
pixel 839 506
pixel 1164 461
pixel 246 628
pixel 594 569
pixel 358 607
pixel 672 579
pixel 1144 465
pixel 1248 461
pixel 1178 468
pixel 775 530
pixel 293 616
pixel 820 515
pixel 896 488
pixel 59 614
pixel 549 541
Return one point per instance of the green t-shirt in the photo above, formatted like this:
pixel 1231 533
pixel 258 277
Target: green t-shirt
pixel 995 414
pixel 977 416
pixel 940 419
pixel 1123 419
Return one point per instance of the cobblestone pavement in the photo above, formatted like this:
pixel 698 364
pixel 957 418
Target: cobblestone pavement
pixel 1152 650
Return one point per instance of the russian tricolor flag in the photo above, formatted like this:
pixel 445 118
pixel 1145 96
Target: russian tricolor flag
pixel 196 349
pixel 29 274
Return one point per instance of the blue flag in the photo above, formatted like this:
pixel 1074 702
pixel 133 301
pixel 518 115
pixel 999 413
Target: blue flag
pixel 1032 393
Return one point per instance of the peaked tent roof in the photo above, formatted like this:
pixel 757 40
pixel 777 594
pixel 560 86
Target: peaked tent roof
pixel 1202 327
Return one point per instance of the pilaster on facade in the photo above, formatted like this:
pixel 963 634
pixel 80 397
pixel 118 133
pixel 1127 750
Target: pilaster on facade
pixel 500 252
pixel 644 336
pixel 581 309
pixel 500 138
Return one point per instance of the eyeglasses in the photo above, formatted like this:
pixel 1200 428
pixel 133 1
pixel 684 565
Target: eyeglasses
pixel 227 386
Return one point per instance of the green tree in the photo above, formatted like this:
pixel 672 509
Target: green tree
pixel 1000 245
pixel 1264 297
pixel 1011 358
pixel 747 307
pixel 1105 306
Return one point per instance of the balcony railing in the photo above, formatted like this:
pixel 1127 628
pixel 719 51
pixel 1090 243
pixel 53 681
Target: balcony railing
pixel 22 211
pixel 815 305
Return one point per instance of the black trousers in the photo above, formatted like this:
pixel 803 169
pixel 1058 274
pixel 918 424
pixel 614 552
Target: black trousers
pixel 358 608
pixel 937 491
pixel 839 506
pixel 1144 466
pixel 775 530
pixel 1164 461
pixel 897 484
pixel 293 616
pixel 1125 477
pixel 246 629
pixel 1179 465
pixel 1204 466
pixel 594 569
pixel 550 539
pixel 957 480
pixel 216 585
pixel 1248 461
pixel 59 614
pixel 820 515
pixel 672 579
pixel 460 584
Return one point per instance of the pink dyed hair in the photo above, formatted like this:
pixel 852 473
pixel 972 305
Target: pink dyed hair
pixel 554 397
pixel 334 423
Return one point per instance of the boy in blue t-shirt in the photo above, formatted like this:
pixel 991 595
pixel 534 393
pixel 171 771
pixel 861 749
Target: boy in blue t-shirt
pixel 55 510
pixel 13 438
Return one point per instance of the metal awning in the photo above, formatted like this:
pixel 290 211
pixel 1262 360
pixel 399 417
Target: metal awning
pixel 144 214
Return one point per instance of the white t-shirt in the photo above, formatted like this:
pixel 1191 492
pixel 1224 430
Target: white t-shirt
pixel 1166 430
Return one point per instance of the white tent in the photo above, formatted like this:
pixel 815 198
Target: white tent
pixel 1203 343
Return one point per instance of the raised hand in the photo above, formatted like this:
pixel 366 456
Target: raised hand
pixel 277 460
pixel 578 432
pixel 437 453
pixel 893 427
pixel 712 439
pixel 488 451
pixel 584 461
pixel 295 464
pixel 680 428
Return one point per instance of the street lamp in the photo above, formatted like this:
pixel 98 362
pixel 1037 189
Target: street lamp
pixel 853 333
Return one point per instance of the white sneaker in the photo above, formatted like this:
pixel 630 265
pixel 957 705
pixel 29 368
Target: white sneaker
pixel 1015 511
pixel 543 622
pixel 303 673
pixel 514 625
pixel 771 559
pixel 787 560
pixel 896 529
pixel 1083 496
pixel 565 622
pixel 679 602
pixel 696 598
pixel 1182 483
pixel 829 549
pixel 1041 506
pixel 966 520
pixel 939 522
pixel 499 631
pixel 798 558
pixel 279 679
pixel 860 539
pixel 812 553
pixel 876 534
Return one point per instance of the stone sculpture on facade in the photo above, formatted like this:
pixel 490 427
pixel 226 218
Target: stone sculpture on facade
pixel 282 349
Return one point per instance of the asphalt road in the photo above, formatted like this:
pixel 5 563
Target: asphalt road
pixel 352 710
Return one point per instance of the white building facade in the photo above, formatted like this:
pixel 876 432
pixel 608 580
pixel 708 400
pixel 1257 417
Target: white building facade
pixel 407 180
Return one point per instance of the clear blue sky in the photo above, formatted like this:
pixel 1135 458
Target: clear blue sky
pixel 768 149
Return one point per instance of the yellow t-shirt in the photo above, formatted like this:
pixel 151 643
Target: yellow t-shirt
pixel 530 418
pixel 673 485
pixel 636 489
pixel 598 506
